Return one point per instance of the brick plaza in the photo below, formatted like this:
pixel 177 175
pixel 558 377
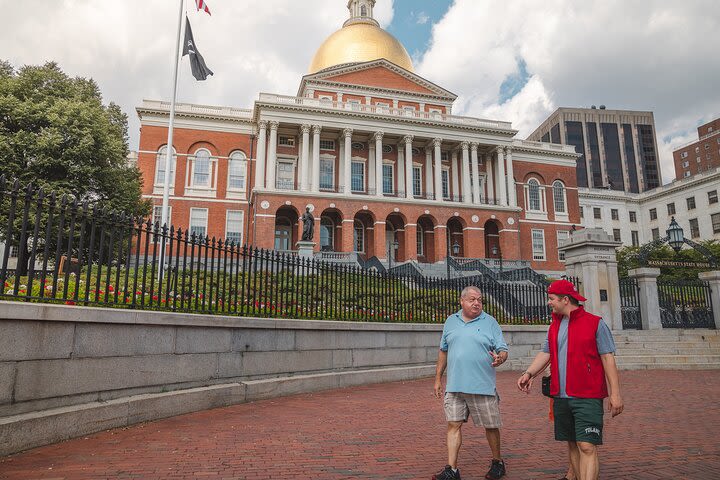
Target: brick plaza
pixel 396 431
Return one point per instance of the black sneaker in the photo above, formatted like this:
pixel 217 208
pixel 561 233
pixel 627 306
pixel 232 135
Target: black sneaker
pixel 447 473
pixel 497 470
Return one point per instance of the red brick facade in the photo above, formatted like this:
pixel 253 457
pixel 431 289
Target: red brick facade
pixel 699 156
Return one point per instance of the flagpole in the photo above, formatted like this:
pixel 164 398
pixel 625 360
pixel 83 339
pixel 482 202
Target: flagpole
pixel 169 152
pixel 169 149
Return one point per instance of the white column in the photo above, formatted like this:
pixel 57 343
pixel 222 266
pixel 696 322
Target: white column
pixel 272 156
pixel 512 190
pixel 454 192
pixel 305 159
pixel 400 170
pixel 260 160
pixel 428 172
pixel 476 172
pixel 502 179
pixel 408 139
pixel 378 163
pixel 347 134
pixel 370 166
pixel 340 165
pixel 467 187
pixel 437 143
pixel 316 158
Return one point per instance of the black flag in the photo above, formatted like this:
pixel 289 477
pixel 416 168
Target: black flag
pixel 199 70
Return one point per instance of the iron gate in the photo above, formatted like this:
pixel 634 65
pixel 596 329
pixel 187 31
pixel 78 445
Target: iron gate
pixel 630 304
pixel 685 304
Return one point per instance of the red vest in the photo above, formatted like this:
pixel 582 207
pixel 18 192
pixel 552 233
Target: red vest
pixel 585 372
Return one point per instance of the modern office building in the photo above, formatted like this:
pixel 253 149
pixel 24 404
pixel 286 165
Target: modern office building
pixel 618 148
pixel 375 152
pixel 701 155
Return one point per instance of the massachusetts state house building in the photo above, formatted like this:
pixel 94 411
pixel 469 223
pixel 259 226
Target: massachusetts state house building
pixel 374 151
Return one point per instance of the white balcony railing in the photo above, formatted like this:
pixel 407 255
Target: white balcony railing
pixel 383 110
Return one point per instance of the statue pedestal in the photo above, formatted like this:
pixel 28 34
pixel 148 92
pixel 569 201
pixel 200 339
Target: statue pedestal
pixel 305 249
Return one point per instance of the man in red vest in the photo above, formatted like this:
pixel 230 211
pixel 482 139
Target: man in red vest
pixel 580 350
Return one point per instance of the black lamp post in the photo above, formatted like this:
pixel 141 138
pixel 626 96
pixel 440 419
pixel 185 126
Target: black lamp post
pixel 455 251
pixel 391 251
pixel 676 238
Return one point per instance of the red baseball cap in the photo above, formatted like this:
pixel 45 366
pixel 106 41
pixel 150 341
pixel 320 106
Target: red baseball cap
pixel 563 287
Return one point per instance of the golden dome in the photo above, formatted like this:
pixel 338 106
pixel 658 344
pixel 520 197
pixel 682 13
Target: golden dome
pixel 360 42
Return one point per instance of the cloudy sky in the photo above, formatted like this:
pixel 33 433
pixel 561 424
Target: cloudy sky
pixel 515 60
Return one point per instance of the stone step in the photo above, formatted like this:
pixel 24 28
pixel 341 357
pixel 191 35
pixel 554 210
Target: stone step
pixel 669 359
pixel 666 366
pixel 674 349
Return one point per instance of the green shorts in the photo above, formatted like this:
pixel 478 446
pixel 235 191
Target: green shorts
pixel 578 420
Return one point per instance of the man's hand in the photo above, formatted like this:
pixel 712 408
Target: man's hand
pixel 525 382
pixel 438 388
pixel 498 358
pixel 615 405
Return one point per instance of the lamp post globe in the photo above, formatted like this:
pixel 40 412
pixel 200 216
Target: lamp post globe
pixel 676 238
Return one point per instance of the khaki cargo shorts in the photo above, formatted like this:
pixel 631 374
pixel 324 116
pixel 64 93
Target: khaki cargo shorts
pixel 484 409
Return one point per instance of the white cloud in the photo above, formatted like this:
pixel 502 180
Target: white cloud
pixel 624 54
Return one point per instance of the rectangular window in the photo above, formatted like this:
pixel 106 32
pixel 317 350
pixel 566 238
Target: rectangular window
pixel 686 164
pixel 538 245
pixel 712 197
pixel 715 217
pixel 671 208
pixel 357 178
pixel 635 238
pixel 633 217
pixel 236 174
pixel 562 237
pixel 285 179
pixel 327 144
pixel 653 214
pixel 327 173
pixel 686 174
pixel 655 233
pixel 286 141
pixel 382 107
pixel 616 235
pixel 354 104
pixel 597 214
pixel 157 215
pixel 160 169
pixel 684 155
pixel 198 221
pixel 582 212
pixel 694 228
pixel 234 226
pixel 201 171
pixel 445 184
pixel 420 241
pixel 359 237
pixel 444 156
pixel 408 111
pixel 614 214
pixel 417 181
pixel 387 178
pixel 690 203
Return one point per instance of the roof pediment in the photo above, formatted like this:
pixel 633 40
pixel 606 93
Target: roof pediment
pixel 377 74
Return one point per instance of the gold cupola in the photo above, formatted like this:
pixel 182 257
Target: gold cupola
pixel 360 40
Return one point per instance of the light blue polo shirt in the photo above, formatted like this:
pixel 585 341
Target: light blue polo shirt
pixel 468 346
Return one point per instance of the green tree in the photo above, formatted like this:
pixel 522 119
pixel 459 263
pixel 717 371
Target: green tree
pixel 628 259
pixel 56 133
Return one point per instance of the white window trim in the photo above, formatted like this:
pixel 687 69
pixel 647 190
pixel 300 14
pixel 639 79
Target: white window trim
pixel 237 192
pixel 419 167
pixel 561 216
pixel 289 140
pixel 190 218
pixel 532 245
pixel 393 190
pixel 535 214
pixel 334 143
pixel 362 234
pixel 449 184
pixel 565 236
pixel 331 158
pixel 421 248
pixel 158 187
pixel 201 190
pixel 242 223
pixel 362 161
pixel 293 161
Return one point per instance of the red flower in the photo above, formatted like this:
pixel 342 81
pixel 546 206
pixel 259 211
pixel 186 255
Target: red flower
pixel 69 302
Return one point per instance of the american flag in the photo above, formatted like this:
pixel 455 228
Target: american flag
pixel 201 5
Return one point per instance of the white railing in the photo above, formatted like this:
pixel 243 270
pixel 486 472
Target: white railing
pixel 544 146
pixel 383 110
pixel 190 108
pixel 338 257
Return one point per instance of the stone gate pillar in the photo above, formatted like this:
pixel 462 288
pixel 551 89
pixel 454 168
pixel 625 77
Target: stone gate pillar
pixel 649 300
pixel 590 256
pixel 713 278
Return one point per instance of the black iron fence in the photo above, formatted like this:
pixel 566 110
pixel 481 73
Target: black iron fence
pixel 630 304
pixel 685 304
pixel 78 254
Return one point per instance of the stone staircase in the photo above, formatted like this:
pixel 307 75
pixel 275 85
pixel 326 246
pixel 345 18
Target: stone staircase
pixel 670 349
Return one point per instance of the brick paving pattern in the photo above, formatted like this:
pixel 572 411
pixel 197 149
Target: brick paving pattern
pixel 396 431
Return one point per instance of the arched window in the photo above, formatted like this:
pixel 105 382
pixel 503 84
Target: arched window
pixel 327 234
pixel 237 167
pixel 363 11
pixel 201 169
pixel 283 233
pixel 420 241
pixel 534 195
pixel 359 236
pixel 160 166
pixel 559 196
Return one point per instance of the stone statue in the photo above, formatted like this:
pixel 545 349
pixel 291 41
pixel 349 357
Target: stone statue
pixel 308 225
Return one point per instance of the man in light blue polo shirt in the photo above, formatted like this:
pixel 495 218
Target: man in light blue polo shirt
pixel 472 345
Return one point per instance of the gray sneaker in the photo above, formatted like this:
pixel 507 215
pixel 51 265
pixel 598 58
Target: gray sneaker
pixel 447 474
